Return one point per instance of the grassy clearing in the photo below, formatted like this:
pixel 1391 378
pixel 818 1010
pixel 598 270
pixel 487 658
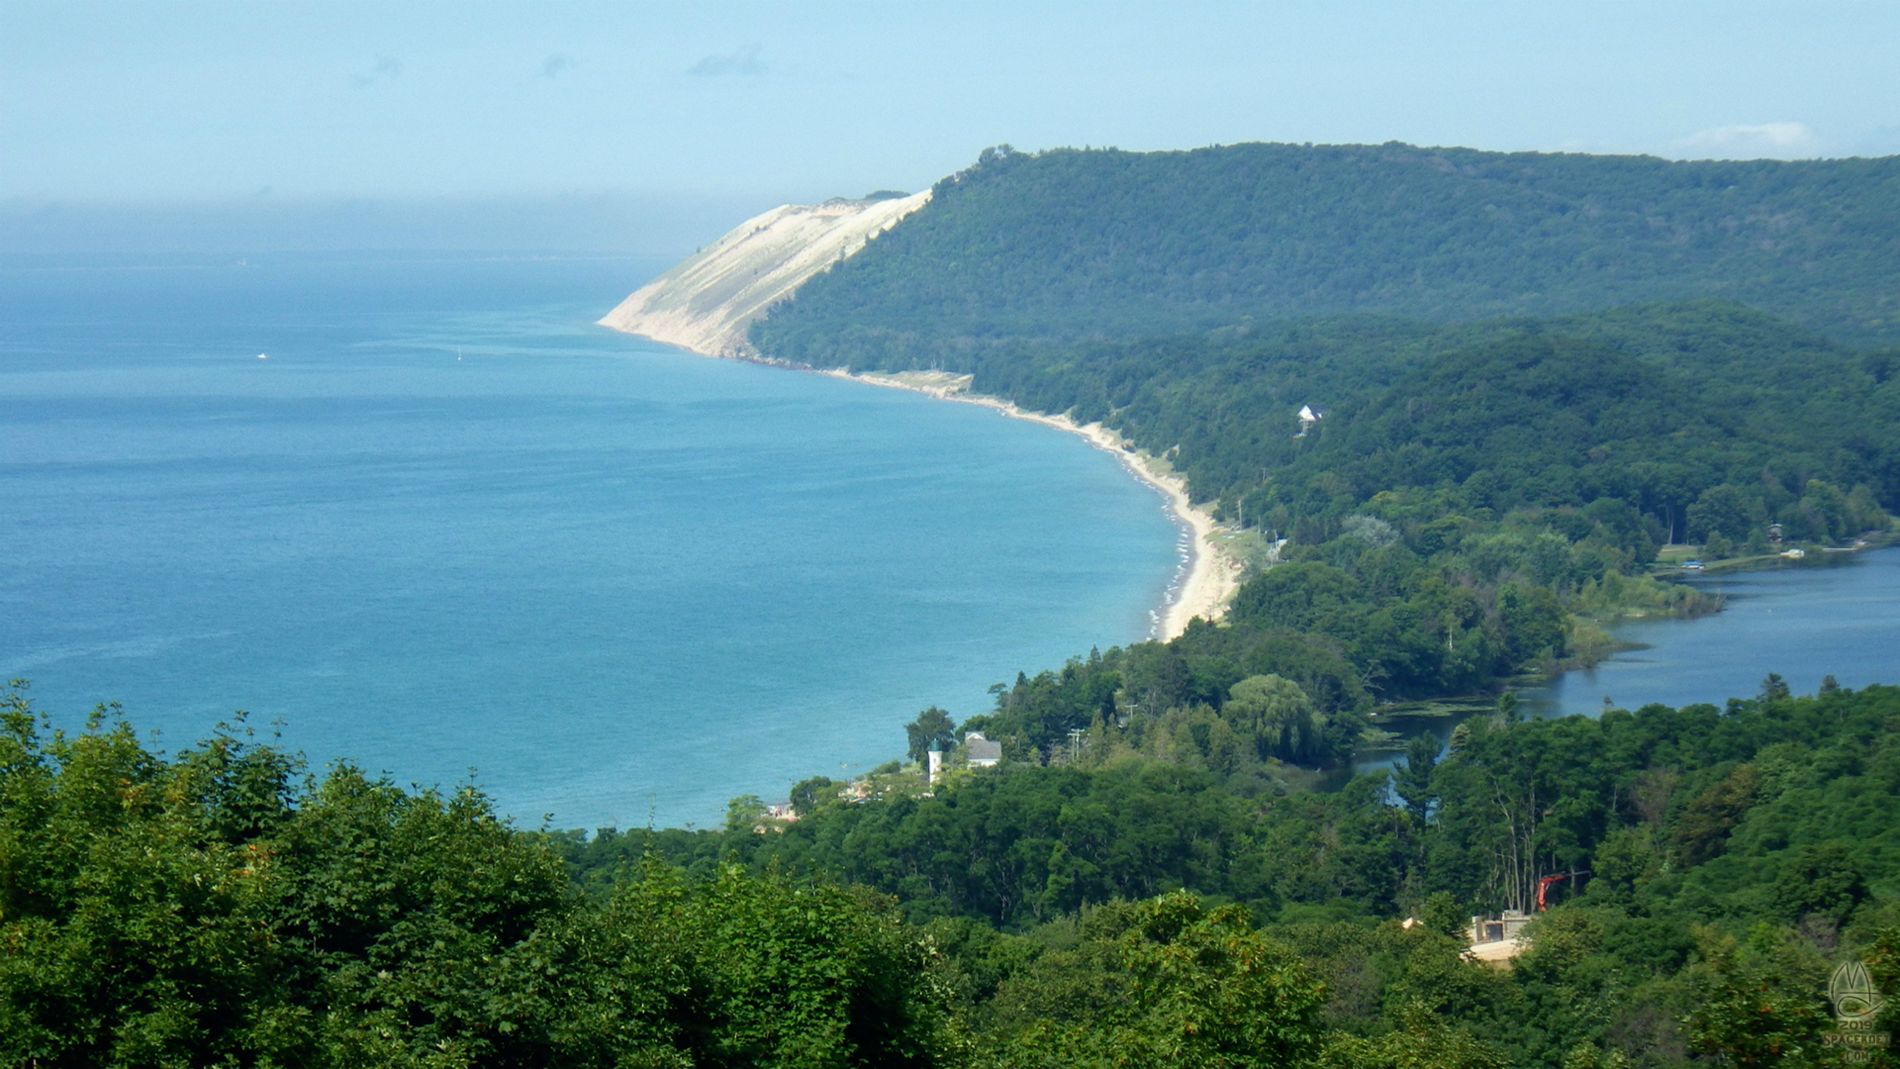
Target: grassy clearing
pixel 1249 547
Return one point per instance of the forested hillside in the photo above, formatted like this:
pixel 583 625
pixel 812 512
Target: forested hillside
pixel 1081 243
pixel 220 906
pixel 1726 859
pixel 1652 405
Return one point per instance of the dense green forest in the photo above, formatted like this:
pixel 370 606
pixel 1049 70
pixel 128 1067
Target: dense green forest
pixel 1107 243
pixel 221 906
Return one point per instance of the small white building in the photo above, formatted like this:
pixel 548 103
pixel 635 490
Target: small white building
pixel 981 752
pixel 1309 415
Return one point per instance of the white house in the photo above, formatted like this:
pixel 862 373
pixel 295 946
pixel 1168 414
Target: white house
pixel 982 752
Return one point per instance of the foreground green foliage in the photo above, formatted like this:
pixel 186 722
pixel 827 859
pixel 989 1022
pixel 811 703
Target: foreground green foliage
pixel 219 908
pixel 1162 982
pixel 212 909
pixel 1728 860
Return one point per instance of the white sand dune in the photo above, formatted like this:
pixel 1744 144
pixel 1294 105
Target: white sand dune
pixel 706 303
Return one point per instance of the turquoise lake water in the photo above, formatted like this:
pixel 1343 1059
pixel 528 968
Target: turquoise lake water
pixel 449 525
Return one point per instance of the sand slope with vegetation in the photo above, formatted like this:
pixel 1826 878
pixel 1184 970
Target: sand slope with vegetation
pixel 706 303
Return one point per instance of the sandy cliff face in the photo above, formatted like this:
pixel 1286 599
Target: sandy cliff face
pixel 706 303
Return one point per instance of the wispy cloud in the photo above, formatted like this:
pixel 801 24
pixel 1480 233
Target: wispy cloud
pixel 557 64
pixel 1752 141
pixel 743 63
pixel 385 69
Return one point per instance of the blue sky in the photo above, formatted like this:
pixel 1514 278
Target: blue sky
pixel 688 112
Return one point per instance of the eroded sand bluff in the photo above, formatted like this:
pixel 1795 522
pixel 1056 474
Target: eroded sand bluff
pixel 707 302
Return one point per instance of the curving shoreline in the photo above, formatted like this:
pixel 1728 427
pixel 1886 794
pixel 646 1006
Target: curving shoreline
pixel 705 303
pixel 1210 576
pixel 1205 585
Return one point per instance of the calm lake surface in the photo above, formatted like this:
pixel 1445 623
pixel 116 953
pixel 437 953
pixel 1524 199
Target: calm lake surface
pixel 450 527
pixel 1838 616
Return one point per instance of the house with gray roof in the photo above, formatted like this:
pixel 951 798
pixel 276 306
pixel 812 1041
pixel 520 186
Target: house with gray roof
pixel 981 752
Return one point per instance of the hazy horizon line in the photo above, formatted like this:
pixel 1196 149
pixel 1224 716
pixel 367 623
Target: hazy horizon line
pixel 633 224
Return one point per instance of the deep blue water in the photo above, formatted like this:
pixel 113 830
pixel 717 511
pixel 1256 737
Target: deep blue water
pixel 449 525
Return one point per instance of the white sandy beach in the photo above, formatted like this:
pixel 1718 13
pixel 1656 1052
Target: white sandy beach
pixel 1211 576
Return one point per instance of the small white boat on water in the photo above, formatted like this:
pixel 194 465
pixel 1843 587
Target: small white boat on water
pixel 263 356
